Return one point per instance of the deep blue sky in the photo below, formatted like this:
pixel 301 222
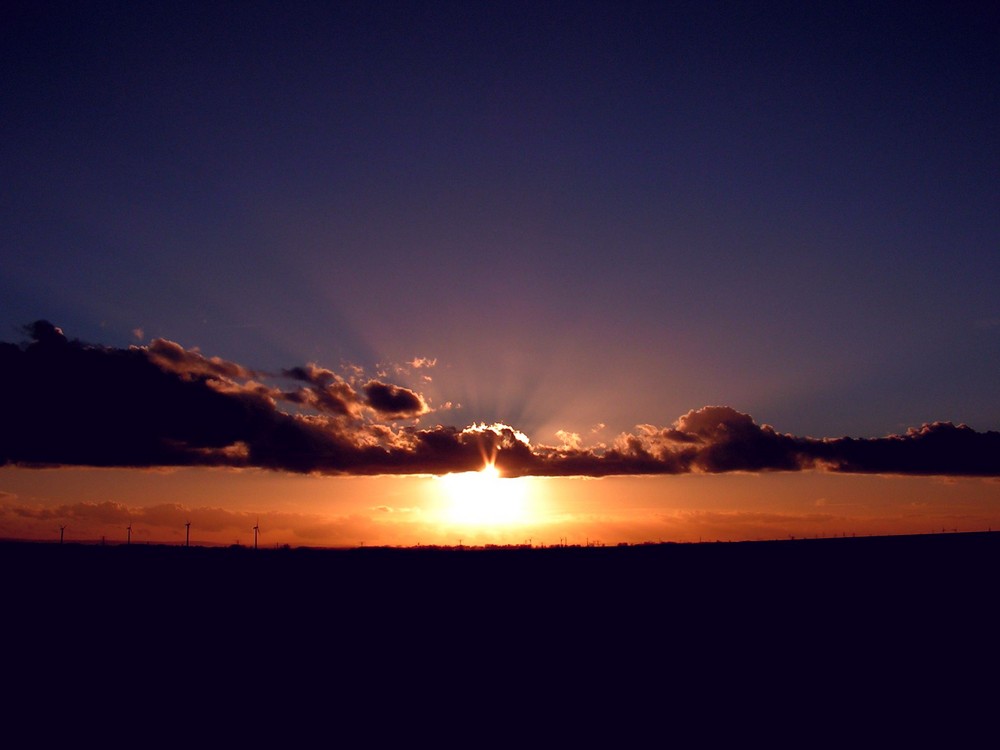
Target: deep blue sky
pixel 587 212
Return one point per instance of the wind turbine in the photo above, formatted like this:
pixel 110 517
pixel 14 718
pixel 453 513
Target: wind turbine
pixel 256 530
pixel 61 530
pixel 129 530
pixel 187 536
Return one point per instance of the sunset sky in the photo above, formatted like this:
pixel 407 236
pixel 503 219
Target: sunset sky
pixel 680 270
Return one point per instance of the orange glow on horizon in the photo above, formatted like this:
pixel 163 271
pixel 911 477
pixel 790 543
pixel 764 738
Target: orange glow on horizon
pixel 476 508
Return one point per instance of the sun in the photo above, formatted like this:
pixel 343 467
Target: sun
pixel 484 498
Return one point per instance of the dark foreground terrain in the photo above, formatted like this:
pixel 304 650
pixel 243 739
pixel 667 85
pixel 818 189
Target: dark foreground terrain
pixel 877 575
pixel 846 627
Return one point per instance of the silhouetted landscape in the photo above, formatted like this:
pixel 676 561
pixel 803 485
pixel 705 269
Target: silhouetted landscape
pixel 817 625
pixel 871 579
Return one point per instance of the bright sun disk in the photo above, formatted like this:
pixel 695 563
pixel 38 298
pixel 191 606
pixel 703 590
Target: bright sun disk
pixel 484 498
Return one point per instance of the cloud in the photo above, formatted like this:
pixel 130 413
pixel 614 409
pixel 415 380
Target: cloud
pixel 393 401
pixel 71 403
pixel 45 334
pixel 570 440
pixel 312 374
pixel 418 362
pixel 336 398
pixel 190 364
pixel 331 394
pixel 939 448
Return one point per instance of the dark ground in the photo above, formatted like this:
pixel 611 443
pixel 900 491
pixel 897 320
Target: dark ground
pixel 846 627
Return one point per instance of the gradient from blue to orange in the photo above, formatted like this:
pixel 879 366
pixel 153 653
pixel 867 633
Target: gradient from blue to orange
pixel 589 215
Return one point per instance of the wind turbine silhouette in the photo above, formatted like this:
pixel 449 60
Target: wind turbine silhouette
pixel 61 530
pixel 187 535
pixel 129 529
pixel 256 530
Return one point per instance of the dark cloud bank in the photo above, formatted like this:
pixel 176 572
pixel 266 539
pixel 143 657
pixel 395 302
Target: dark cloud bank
pixel 70 403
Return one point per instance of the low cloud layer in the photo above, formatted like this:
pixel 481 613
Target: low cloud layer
pixel 70 403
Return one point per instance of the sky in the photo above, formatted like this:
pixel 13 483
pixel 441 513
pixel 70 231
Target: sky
pixel 679 270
